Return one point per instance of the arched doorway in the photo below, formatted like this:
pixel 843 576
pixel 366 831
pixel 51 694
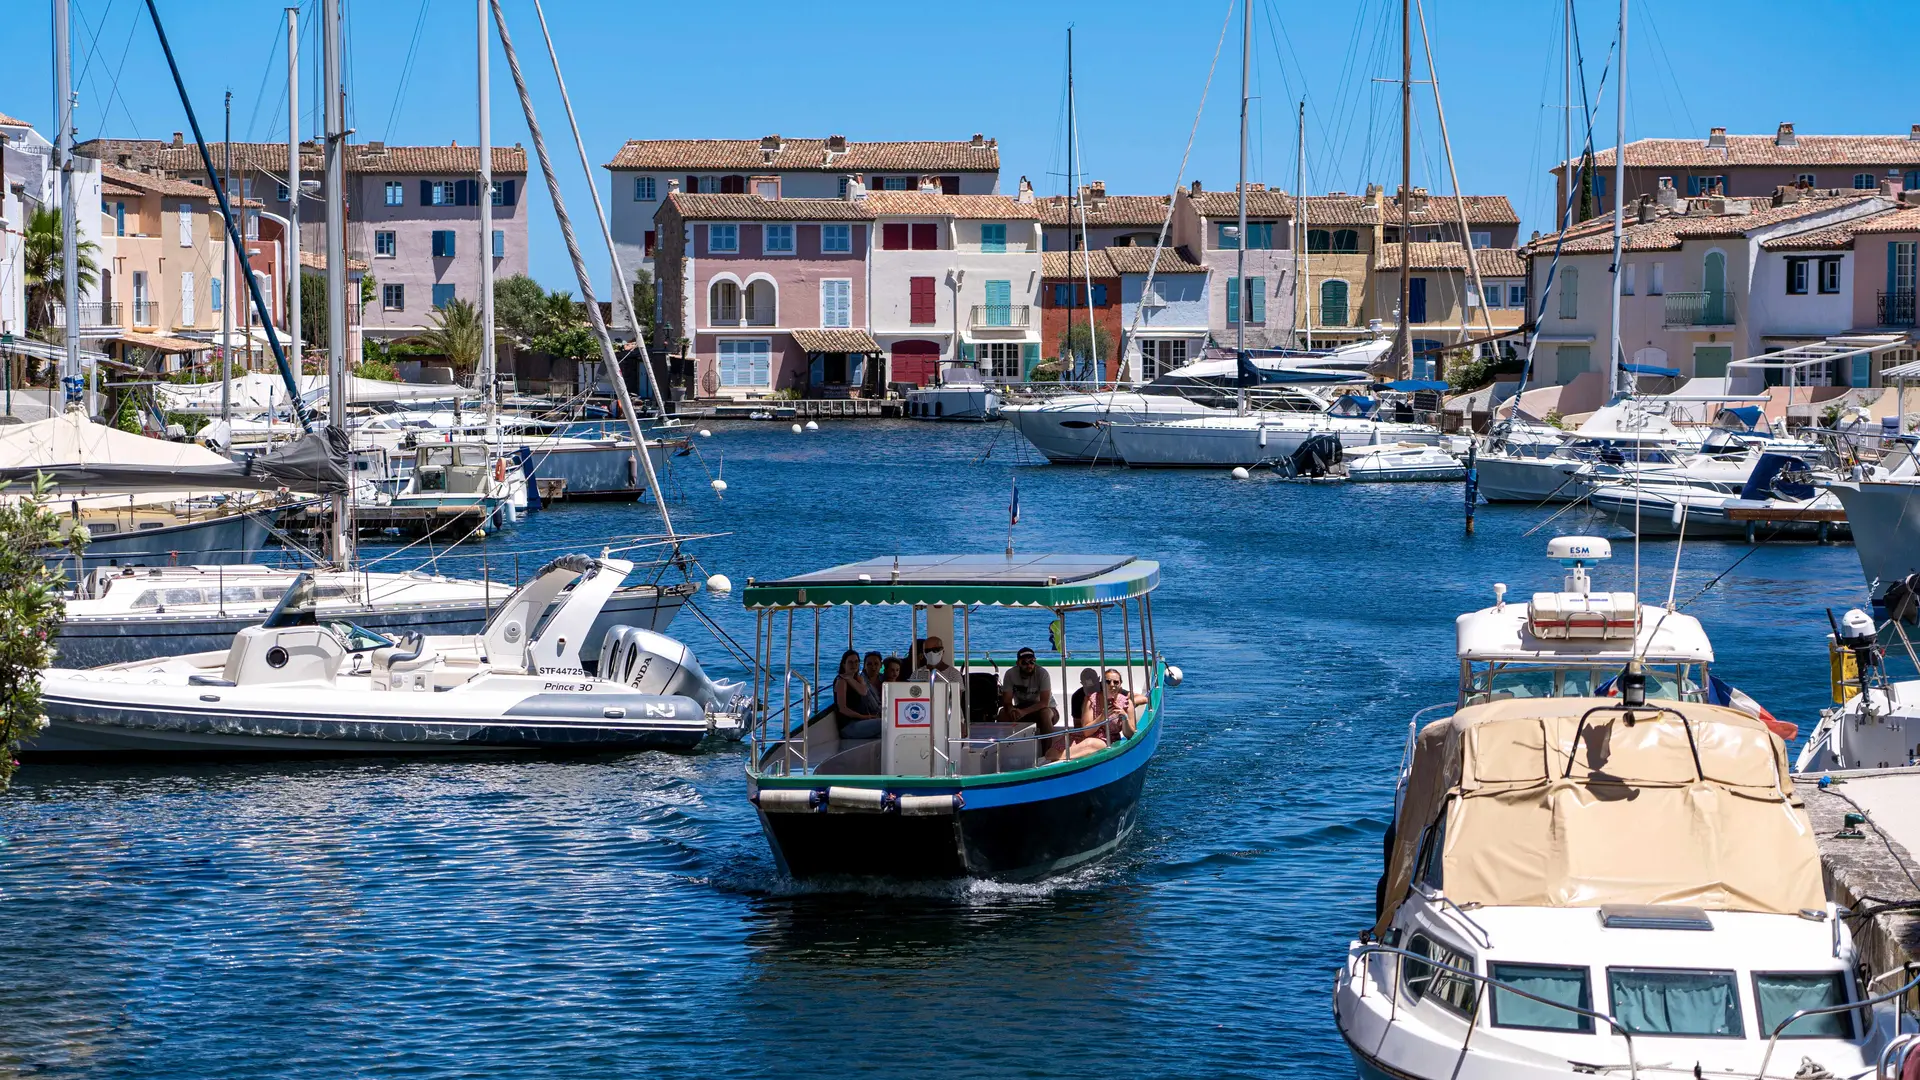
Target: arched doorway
pixel 916 362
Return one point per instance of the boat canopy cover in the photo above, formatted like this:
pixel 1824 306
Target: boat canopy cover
pixel 1408 386
pixel 1651 369
pixel 1643 818
pixel 78 453
pixel 1042 581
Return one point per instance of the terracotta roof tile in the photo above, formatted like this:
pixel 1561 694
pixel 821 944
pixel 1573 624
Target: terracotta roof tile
pixel 835 340
pixel 1440 255
pixel 1669 229
pixel 1904 220
pixel 809 155
pixel 755 208
pixel 1106 211
pixel 151 184
pixel 1500 262
pixel 1136 260
pixel 1764 150
pixel 316 260
pixel 1438 210
pixel 11 122
pixel 1832 238
pixel 934 204
pixel 272 157
pixel 1077 264
pixel 1260 203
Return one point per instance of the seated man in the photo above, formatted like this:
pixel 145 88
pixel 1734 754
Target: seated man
pixel 1026 694
pixel 934 663
pixel 1111 715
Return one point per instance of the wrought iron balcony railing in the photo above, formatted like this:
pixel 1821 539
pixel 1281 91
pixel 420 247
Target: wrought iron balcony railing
pixel 1698 309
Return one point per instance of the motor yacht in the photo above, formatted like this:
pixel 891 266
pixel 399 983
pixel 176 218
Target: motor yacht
pixel 962 393
pixel 1595 867
pixel 1229 440
pixel 1404 462
pixel 1778 501
pixel 301 684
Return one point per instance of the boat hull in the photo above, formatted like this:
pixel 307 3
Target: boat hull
pixel 1527 479
pixel 1023 830
pixel 603 471
pixel 223 541
pixel 953 403
pixel 1246 445
pixel 1075 433
pixel 1885 520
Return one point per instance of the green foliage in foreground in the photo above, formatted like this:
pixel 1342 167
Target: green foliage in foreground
pixel 31 611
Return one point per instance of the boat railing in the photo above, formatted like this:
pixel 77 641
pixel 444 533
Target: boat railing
pixel 1773 1039
pixel 1400 955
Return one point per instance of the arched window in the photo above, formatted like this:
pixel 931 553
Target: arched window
pixel 723 303
pixel 1346 242
pixel 1333 303
pixel 1319 241
pixel 763 303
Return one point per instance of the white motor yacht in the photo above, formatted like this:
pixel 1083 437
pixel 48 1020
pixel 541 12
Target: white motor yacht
pixel 1229 440
pixel 1594 869
pixel 1403 462
pixel 301 684
pixel 1777 501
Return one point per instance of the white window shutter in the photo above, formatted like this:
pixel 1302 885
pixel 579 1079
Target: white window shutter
pixel 186 298
pixel 186 224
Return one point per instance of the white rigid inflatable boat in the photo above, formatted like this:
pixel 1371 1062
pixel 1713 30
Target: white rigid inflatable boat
pixel 297 685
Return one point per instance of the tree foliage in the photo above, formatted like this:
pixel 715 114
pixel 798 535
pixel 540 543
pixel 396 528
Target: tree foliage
pixel 45 265
pixel 1078 344
pixel 456 334
pixel 31 611
pixel 643 303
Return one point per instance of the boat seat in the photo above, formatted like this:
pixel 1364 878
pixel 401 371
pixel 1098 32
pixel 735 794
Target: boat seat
pixel 403 666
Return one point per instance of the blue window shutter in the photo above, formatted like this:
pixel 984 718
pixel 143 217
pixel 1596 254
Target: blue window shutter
pixel 1416 300
pixel 1229 243
pixel 1257 298
pixel 506 193
pixel 499 243
pixel 1233 300
pixel 1893 251
pixel 426 193
pixel 1029 357
pixel 1099 296
pixel 993 238
pixel 966 352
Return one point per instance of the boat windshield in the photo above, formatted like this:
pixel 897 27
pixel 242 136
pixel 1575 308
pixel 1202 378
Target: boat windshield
pixel 358 638
pixel 1498 681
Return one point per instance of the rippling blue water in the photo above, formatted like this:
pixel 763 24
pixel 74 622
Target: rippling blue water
pixel 622 916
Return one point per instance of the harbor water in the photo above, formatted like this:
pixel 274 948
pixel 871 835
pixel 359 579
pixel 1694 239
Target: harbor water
pixel 622 916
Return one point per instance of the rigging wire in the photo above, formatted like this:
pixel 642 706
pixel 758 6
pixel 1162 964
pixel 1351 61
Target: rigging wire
pixel 406 69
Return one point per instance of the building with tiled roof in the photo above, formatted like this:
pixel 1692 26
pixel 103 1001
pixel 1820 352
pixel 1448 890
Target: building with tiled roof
pixel 1751 166
pixel 1109 220
pixel 755 208
pixel 645 171
pixel 1078 288
pixel 1139 260
pixel 936 204
pixel 8 121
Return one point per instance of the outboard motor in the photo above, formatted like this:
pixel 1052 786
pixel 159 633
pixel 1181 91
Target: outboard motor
pixel 656 664
pixel 1315 457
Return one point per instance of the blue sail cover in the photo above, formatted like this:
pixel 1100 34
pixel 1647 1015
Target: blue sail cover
pixel 1249 375
pixel 1746 414
pixel 1765 481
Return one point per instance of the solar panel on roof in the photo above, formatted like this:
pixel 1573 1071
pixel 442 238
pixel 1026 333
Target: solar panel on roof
pixel 962 569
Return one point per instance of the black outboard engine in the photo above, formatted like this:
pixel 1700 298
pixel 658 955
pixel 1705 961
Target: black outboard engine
pixel 1313 458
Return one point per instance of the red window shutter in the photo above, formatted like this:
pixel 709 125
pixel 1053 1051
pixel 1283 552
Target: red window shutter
pixel 926 237
pixel 921 295
pixel 650 236
pixel 893 236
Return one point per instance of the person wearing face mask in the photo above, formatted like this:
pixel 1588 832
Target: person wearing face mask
pixel 934 663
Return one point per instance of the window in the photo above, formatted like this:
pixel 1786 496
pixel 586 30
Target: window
pixel 999 303
pixel 1710 361
pixel 119 219
pixel 926 237
pixel 895 183
pixel 186 299
pixel 1570 362
pixel 1669 1001
pixel 1492 295
pixel 836 238
pixel 1626 280
pixel 1566 985
pixel 385 244
pixel 214 299
pixel 644 189
pixel 1319 241
pixel 443 243
pixel 393 297
pixel 1706 185
pixel 993 238
pixel 442 295
pixel 1346 242
pixel 836 302
pixel 499 244
pixel 763 302
pixel 1159 356
pixel 1796 277
pixel 1333 303
pixel 1229 239
pixel 723 303
pixel 1259 235
pixel 186 225
pixel 1570 293
pixel 1481 239
pixel 1658 287
pixel 920 302
pixel 723 238
pixel 280 192
pixel 999 359
pixel 1416 300
pixel 1912 180
pixel 746 362
pixel 1448 989
pixel 893 237
pixel 1780 994
pixel 396 195
pixel 502 193
pixel 843 187
pixel 1517 296
pixel 1830 275
pixel 1805 178
pixel 779 240
pixel 1599 183
pixel 440 193
pixel 648 242
pixel 1863 181
pixel 1253 296
pixel 706 185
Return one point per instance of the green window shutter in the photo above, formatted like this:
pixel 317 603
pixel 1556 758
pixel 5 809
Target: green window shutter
pixel 1893 258
pixel 966 352
pixel 993 239
pixel 1257 298
pixel 1233 300
pixel 1029 358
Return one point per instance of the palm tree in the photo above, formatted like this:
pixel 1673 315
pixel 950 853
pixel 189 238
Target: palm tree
pixel 456 333
pixel 46 269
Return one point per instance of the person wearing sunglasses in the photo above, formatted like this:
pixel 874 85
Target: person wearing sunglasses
pixel 1111 715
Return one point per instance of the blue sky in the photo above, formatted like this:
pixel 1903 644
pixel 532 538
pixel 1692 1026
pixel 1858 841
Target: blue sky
pixel 901 71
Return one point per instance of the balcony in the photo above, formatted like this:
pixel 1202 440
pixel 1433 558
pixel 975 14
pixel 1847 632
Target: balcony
pixel 1001 316
pixel 1690 309
pixel 1897 308
pixel 92 313
pixel 146 313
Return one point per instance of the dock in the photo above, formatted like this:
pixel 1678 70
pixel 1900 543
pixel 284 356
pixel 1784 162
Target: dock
pixel 1870 862
pixel 797 409
pixel 1832 523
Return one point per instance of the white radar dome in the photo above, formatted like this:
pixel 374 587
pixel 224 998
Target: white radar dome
pixel 1583 549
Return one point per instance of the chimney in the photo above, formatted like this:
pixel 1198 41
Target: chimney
pixel 979 141
pixel 1914 134
pixel 1717 138
pixel 1787 194
pixel 856 191
pixel 1646 209
pixel 1097 189
pixel 1893 185
pixel 1196 187
pixel 836 144
pixel 179 141
pixel 378 146
pixel 1026 191
pixel 673 187
pixel 1784 137
pixel 1252 187
pixel 770 143
pixel 1665 195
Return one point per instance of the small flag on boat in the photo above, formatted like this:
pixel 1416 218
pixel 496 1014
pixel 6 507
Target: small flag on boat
pixel 1013 507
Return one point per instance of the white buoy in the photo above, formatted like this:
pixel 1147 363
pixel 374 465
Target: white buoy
pixel 1174 675
pixel 706 433
pixel 813 425
pixel 719 584
pixel 1240 472
pixel 796 429
pixel 719 485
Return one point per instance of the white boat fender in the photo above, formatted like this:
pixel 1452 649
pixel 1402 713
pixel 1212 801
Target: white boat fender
pixel 813 425
pixel 706 433
pixel 1175 676
pixel 797 429
pixel 719 585
pixel 856 800
pixel 930 805
pixel 788 800
pixel 1240 472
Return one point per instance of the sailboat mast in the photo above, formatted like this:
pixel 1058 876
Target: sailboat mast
pixel 491 383
pixel 340 538
pixel 1403 343
pixel 1301 261
pixel 69 217
pixel 1086 264
pixel 226 271
pixel 293 187
pixel 1240 244
pixel 1073 202
pixel 1614 373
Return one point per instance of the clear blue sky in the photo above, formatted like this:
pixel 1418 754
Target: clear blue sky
pixel 945 71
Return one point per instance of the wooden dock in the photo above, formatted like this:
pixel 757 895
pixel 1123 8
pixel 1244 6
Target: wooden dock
pixel 798 409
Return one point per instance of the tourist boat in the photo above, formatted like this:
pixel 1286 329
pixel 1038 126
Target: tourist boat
pixel 947 790
pixel 961 394
pixel 115 615
pixel 300 684
pixel 1230 440
pixel 1777 501
pixel 1402 462
pixel 1584 883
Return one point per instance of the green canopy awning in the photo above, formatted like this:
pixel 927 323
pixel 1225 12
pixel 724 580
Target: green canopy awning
pixel 1040 581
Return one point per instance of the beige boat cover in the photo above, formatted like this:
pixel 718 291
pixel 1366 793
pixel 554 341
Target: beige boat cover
pixel 1634 823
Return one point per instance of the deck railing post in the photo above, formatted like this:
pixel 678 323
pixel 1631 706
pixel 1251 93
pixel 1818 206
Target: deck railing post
pixel 1100 630
pixel 1126 644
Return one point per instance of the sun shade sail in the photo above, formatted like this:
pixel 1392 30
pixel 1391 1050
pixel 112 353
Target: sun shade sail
pixel 1050 581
